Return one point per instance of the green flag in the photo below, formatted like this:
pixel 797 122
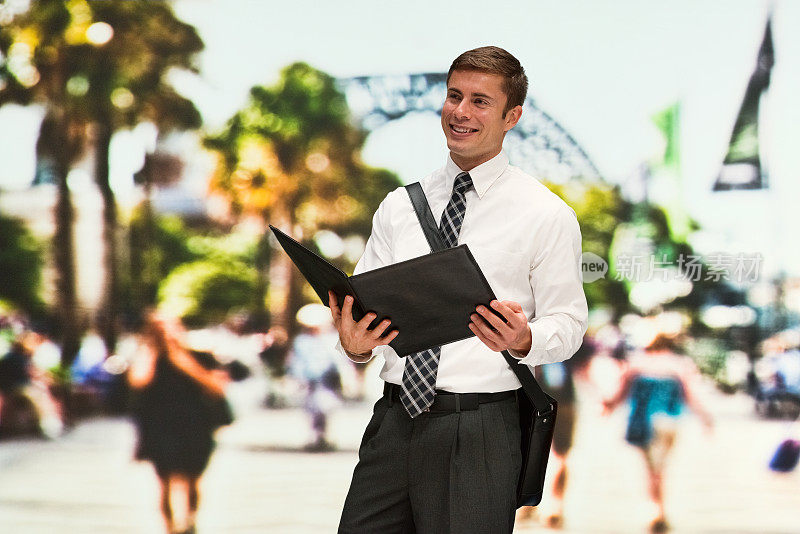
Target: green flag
pixel 741 168
pixel 665 173
pixel 668 121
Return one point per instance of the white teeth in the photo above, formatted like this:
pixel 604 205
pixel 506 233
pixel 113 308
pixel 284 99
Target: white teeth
pixel 461 130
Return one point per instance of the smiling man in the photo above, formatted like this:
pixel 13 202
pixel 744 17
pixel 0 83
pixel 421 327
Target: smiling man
pixel 441 453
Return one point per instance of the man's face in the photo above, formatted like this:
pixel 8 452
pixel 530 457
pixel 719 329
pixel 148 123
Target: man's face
pixel 472 117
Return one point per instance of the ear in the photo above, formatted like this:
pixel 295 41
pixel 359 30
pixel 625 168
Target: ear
pixel 512 117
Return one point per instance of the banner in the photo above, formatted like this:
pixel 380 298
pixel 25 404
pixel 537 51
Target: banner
pixel 666 178
pixel 741 168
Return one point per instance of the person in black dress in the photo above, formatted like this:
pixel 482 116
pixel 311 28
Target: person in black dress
pixel 176 411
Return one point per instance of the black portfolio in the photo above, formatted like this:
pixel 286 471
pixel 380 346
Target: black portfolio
pixel 428 299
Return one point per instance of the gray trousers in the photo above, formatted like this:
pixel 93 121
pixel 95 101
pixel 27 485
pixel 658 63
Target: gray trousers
pixel 439 473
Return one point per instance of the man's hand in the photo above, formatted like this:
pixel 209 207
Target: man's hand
pixel 356 338
pixel 500 335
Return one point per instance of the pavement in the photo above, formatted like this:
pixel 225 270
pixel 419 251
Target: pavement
pixel 261 480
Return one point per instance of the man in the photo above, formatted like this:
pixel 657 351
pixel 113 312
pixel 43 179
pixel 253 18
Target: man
pixel 425 464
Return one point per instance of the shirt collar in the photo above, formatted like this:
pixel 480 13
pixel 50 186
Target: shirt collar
pixel 483 176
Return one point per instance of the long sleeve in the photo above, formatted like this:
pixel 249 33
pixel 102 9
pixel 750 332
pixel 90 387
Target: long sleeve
pixel 377 252
pixel 561 314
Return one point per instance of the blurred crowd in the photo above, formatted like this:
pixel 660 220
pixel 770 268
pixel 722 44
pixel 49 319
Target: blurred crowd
pixel 174 385
pixel 37 394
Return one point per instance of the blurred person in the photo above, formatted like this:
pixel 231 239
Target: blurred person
pixel 273 356
pixel 8 332
pixel 786 365
pixel 775 380
pixel 442 451
pixel 89 359
pixel 313 361
pixel 558 380
pixel 21 378
pixel 47 355
pixel 176 413
pixel 658 384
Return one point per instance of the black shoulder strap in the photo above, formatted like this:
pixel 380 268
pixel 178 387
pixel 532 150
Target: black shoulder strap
pixel 425 216
pixel 426 220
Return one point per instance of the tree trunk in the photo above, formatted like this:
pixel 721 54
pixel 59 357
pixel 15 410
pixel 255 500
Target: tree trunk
pixel 282 287
pixel 107 320
pixel 141 238
pixel 58 140
pixel 262 260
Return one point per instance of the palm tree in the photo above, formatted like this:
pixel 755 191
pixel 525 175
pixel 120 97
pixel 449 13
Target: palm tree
pixel 96 67
pixel 291 157
pixel 35 71
pixel 126 71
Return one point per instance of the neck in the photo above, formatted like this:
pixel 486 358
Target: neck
pixel 466 164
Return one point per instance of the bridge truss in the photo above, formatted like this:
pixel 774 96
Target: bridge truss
pixel 538 144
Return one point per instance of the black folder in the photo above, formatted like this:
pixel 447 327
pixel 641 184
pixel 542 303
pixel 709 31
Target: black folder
pixel 429 299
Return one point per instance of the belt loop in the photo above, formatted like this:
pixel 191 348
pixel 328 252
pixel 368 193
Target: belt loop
pixel 458 402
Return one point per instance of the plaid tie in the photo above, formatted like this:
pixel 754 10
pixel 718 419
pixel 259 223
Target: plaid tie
pixel 419 375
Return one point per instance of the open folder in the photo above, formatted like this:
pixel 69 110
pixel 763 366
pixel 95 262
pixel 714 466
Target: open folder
pixel 429 299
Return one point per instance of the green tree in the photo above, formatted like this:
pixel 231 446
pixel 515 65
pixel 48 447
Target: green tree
pixel 157 246
pixel 97 67
pixel 127 84
pixel 600 209
pixel 21 264
pixel 35 69
pixel 199 275
pixel 610 227
pixel 207 291
pixel 291 157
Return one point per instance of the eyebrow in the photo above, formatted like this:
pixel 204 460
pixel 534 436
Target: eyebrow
pixel 481 95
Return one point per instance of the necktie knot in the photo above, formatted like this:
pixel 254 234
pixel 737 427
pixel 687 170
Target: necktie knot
pixel 463 183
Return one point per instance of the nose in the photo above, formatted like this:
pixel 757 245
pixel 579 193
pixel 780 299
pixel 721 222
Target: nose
pixel 462 110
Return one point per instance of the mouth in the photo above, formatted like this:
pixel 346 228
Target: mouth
pixel 461 130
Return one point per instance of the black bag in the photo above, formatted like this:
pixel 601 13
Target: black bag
pixel 218 411
pixel 537 410
pixel 537 421
pixel 786 456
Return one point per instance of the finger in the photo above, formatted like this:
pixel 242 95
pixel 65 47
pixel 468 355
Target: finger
pixel 479 334
pixel 334 305
pixel 509 313
pixel 497 323
pixel 485 328
pixel 347 310
pixel 513 313
pixel 378 331
pixel 514 306
pixel 388 337
pixel 365 321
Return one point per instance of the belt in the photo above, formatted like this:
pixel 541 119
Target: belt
pixel 449 402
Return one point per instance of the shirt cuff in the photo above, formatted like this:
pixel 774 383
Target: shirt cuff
pixel 346 355
pixel 538 353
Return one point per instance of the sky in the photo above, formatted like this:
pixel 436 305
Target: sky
pixel 600 68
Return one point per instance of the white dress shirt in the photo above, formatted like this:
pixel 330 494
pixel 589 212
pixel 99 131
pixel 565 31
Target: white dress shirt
pixel 528 245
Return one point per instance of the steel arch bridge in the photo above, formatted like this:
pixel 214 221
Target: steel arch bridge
pixel 538 144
